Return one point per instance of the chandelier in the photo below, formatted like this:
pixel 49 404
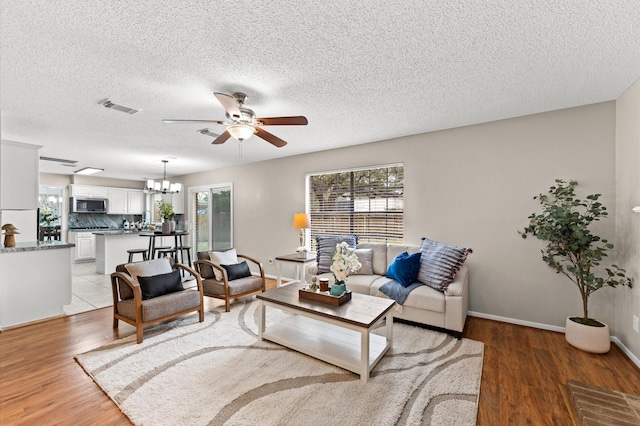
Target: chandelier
pixel 164 186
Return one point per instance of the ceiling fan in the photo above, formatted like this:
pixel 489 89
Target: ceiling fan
pixel 242 123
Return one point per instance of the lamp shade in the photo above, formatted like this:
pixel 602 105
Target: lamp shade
pixel 241 131
pixel 301 220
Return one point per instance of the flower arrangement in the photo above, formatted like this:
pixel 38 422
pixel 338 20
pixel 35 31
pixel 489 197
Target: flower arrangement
pixel 48 217
pixel 343 262
pixel 165 210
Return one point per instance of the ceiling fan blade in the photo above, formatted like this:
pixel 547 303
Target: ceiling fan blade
pixel 222 138
pixel 230 105
pixel 272 139
pixel 284 121
pixel 166 120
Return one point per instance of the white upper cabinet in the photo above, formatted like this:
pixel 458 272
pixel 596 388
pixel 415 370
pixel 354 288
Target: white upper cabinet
pixel 19 176
pixel 176 200
pixel 125 201
pixel 117 201
pixel 85 191
pixel 135 201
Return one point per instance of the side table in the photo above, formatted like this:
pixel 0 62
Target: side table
pixel 300 262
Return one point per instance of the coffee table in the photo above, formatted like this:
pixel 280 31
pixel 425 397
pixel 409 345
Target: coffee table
pixel 340 335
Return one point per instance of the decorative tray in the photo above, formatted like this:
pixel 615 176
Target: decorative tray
pixel 324 296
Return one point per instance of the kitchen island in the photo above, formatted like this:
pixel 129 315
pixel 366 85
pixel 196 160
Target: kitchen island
pixel 35 281
pixel 112 246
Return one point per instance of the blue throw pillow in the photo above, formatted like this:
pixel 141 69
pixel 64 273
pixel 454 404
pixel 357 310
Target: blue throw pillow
pixel 404 268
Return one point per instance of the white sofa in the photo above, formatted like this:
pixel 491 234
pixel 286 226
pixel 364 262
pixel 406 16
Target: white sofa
pixel 446 310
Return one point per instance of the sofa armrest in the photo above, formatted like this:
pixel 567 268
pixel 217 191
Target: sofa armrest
pixel 457 301
pixel 312 270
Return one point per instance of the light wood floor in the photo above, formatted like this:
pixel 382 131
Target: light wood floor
pixel 40 383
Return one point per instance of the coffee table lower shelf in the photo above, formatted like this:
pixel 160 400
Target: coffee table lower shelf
pixel 329 342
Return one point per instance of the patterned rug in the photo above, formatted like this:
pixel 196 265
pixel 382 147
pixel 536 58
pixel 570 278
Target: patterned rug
pixel 219 373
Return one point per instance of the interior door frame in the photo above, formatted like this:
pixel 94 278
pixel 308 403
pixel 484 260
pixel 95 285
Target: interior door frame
pixel 191 209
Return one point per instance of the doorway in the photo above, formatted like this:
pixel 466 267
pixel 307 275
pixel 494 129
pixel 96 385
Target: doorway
pixel 212 207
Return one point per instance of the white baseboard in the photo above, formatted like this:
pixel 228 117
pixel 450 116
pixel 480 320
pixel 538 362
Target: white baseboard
pixel 516 321
pixel 614 339
pixel 626 351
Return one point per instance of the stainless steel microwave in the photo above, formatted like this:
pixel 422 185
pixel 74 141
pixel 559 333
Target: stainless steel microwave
pixel 83 205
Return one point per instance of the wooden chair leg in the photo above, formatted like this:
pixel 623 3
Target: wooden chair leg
pixel 139 334
pixel 227 305
pixel 201 313
pixel 115 323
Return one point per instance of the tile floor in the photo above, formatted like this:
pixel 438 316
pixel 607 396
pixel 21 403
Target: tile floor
pixel 89 290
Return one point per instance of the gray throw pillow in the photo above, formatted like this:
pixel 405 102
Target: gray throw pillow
pixel 365 257
pixel 327 246
pixel 439 263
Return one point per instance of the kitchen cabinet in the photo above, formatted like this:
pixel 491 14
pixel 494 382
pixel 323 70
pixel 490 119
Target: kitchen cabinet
pixel 85 245
pixel 135 201
pixel 176 200
pixel 86 191
pixel 125 201
pixel 20 176
pixel 117 201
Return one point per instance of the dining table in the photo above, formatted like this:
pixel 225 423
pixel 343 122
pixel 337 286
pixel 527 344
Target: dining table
pixel 152 235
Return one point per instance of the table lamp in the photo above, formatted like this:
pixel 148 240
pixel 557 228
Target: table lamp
pixel 301 221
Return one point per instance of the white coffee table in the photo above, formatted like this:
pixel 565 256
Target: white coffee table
pixel 340 335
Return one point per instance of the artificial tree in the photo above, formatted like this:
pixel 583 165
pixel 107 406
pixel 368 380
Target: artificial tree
pixel 572 249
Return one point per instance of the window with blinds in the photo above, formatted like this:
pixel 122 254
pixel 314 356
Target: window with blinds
pixel 365 202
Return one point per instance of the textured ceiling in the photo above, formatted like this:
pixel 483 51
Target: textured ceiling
pixel 359 71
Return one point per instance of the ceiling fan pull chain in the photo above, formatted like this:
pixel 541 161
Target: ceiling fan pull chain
pixel 240 148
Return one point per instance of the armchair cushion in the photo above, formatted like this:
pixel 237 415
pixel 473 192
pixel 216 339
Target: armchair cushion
pixel 229 257
pixel 238 270
pixel 161 306
pixel 146 269
pixel 239 286
pixel 159 285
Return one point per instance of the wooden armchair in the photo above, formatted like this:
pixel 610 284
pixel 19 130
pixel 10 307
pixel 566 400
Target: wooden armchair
pixel 226 289
pixel 130 307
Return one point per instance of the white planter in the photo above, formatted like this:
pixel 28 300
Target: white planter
pixel 587 338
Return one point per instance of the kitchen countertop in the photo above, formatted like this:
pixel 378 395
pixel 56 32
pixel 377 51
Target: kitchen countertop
pixel 36 245
pixel 117 232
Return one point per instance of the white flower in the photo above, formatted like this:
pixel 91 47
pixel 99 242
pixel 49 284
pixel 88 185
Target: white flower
pixel 343 262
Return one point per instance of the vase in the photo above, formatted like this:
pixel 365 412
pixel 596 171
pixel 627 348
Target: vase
pixel 173 225
pixel 166 226
pixel 587 337
pixel 338 288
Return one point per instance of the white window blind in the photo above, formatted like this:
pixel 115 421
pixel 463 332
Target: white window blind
pixel 365 202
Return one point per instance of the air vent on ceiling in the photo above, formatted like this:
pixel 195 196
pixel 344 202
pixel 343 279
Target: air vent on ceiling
pixel 108 104
pixel 60 160
pixel 208 132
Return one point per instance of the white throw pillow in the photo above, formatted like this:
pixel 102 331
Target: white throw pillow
pixel 229 257
pixel 149 268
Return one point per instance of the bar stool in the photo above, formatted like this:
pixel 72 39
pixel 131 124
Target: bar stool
pixel 182 250
pixel 156 251
pixel 167 251
pixel 131 252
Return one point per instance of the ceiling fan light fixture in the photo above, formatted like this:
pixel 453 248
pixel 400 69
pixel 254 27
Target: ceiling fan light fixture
pixel 241 132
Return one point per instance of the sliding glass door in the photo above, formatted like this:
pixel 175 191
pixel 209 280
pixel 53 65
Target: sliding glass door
pixel 212 208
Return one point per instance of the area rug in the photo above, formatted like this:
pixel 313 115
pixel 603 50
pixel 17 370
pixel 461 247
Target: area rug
pixel 219 373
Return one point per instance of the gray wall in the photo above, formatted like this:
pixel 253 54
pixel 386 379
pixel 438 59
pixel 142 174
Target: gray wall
pixel 470 186
pixel 628 222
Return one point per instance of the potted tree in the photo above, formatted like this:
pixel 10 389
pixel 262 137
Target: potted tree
pixel 574 251
pixel 165 210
